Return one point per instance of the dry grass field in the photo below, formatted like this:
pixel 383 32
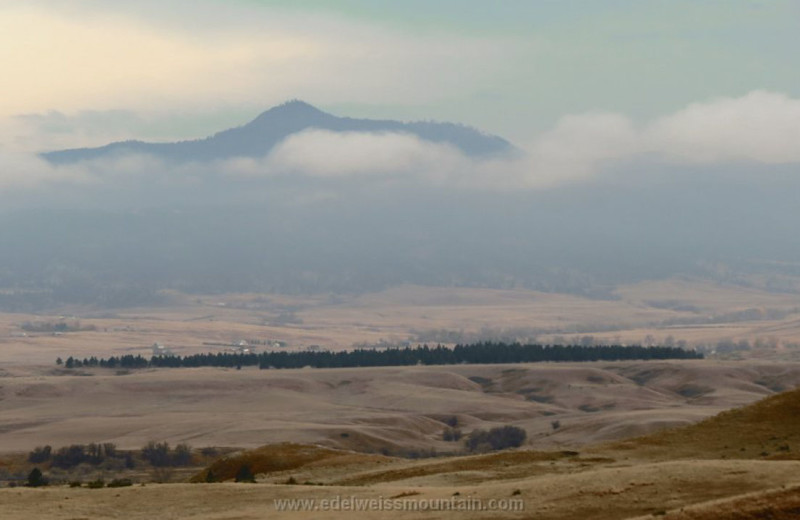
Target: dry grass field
pixel 605 440
pixel 394 410
pixel 338 415
pixel 690 478
pixel 696 311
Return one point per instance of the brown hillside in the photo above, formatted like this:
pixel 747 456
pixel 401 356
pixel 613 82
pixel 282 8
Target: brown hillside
pixel 282 457
pixel 496 466
pixel 783 504
pixel 767 429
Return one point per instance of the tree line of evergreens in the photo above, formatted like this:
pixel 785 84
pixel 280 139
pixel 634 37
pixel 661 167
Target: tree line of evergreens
pixel 479 353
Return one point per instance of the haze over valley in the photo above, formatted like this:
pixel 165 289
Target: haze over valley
pixel 413 259
pixel 300 201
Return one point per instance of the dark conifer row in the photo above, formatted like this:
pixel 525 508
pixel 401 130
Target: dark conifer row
pixel 488 353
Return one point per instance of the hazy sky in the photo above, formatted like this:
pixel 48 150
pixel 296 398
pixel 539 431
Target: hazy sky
pixel 86 72
pixel 663 129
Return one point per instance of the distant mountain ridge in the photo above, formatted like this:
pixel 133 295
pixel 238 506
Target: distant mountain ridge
pixel 259 136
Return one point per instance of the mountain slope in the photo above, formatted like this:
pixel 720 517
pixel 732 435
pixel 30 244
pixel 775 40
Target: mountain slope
pixel 258 137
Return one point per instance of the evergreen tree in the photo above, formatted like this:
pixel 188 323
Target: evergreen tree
pixel 244 474
pixel 36 479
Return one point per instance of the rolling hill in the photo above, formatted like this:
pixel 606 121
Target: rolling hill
pixel 768 430
pixel 685 473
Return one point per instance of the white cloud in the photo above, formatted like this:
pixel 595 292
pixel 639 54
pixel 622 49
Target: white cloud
pixel 577 146
pixel 330 154
pixel 569 153
pixel 761 126
pixel 22 171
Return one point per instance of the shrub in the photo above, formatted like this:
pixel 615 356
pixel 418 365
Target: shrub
pixel 129 462
pixel 496 439
pixel 109 449
pixel 96 484
pixel 75 454
pixel 156 453
pixel 35 478
pixel 40 454
pixel 244 474
pixel 182 455
pixel 75 484
pixel 451 435
pixel 209 451
pixel 120 482
pixel 162 474
pixel 70 456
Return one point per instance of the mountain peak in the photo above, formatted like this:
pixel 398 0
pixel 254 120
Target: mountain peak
pixel 290 116
pixel 259 136
pixel 293 107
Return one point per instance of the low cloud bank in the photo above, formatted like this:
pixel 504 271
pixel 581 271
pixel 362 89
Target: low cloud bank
pixel 760 127
pixel 23 171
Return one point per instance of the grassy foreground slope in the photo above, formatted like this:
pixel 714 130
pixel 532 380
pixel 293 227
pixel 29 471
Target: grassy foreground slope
pixel 782 504
pixel 767 429
pixel 738 464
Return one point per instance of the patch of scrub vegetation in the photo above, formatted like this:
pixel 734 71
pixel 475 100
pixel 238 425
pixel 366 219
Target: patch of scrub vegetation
pixel 77 464
pixel 276 458
pixel 499 438
pixel 771 385
pixel 533 394
pixel 485 382
pixel 690 391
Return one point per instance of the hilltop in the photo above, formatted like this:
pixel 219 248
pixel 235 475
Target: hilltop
pixel 259 136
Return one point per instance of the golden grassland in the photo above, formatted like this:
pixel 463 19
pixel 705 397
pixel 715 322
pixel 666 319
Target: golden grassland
pixel 551 485
pixel 735 460
pixel 187 324
pixel 780 504
pixel 737 457
pixel 767 430
pixel 390 410
pixel 605 440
